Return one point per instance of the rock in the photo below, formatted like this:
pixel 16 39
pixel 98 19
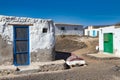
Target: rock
pixel 116 68
pixel 75 61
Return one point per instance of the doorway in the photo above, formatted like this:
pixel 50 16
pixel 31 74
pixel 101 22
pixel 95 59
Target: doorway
pixel 108 42
pixel 21 45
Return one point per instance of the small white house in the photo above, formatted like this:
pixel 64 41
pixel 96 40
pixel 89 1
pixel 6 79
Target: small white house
pixel 109 40
pixel 93 31
pixel 68 29
pixel 24 40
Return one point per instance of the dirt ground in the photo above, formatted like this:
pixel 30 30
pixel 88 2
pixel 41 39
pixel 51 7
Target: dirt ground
pixel 76 44
pixel 95 70
pixel 69 44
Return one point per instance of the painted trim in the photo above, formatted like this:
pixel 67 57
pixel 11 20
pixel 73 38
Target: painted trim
pixel 14 45
pixel 107 40
pixel 94 33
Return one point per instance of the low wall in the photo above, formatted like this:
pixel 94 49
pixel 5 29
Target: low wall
pixel 35 72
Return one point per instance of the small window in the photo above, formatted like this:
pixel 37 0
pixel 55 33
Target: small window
pixel 75 28
pixel 44 30
pixel 62 28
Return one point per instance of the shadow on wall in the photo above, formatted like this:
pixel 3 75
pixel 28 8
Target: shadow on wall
pixel 62 55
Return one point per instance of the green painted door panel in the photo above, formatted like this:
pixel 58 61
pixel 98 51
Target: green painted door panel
pixel 108 43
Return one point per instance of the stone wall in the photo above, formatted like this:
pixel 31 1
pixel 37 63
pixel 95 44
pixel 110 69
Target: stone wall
pixel 6 52
pixel 41 44
pixel 32 72
pixel 43 55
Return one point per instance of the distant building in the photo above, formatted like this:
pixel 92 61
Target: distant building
pixel 68 29
pixel 93 31
pixel 24 40
pixel 109 40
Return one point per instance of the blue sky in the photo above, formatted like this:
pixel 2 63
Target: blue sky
pixel 86 12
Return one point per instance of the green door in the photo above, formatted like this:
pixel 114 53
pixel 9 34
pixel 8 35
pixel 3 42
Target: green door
pixel 108 43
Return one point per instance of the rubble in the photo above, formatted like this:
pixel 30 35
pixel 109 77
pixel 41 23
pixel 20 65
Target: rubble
pixel 35 67
pixel 116 68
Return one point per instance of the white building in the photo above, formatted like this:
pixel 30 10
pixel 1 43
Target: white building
pixel 24 40
pixel 93 31
pixel 109 40
pixel 68 29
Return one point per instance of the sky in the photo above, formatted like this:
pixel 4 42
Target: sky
pixel 85 12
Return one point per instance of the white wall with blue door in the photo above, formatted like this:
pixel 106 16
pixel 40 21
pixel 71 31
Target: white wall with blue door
pixel 41 33
pixel 91 32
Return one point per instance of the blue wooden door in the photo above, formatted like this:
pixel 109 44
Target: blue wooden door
pixel 21 45
pixel 94 34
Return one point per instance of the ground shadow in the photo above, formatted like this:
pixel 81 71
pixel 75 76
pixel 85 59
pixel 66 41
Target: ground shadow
pixel 61 55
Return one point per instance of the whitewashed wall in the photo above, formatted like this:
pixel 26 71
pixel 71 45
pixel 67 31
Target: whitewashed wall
pixel 69 30
pixel 86 32
pixel 43 40
pixel 116 39
pixel 117 42
pixel 41 44
pixel 89 32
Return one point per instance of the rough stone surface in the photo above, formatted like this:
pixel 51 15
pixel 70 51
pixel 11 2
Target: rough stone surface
pixel 35 67
pixel 44 55
pixel 41 44
pixel 6 52
pixel 94 71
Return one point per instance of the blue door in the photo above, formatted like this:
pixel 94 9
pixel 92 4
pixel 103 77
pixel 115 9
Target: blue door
pixel 21 45
pixel 94 35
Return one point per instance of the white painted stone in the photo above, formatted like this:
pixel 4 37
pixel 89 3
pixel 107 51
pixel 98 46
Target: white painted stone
pixel 116 39
pixel 69 29
pixel 89 31
pixel 38 40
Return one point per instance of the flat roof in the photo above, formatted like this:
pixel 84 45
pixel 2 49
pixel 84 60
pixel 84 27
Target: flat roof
pixel 66 24
pixel 21 24
pixel 97 26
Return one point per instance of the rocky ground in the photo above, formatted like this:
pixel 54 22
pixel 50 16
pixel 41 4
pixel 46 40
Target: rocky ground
pixel 69 44
pixel 95 70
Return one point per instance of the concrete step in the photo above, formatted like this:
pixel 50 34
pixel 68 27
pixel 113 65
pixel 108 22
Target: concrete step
pixel 34 67
pixel 100 56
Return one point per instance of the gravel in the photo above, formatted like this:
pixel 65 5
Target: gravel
pixel 96 70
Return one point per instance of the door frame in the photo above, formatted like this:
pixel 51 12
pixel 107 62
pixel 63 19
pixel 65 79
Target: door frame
pixel 107 41
pixel 94 33
pixel 14 44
